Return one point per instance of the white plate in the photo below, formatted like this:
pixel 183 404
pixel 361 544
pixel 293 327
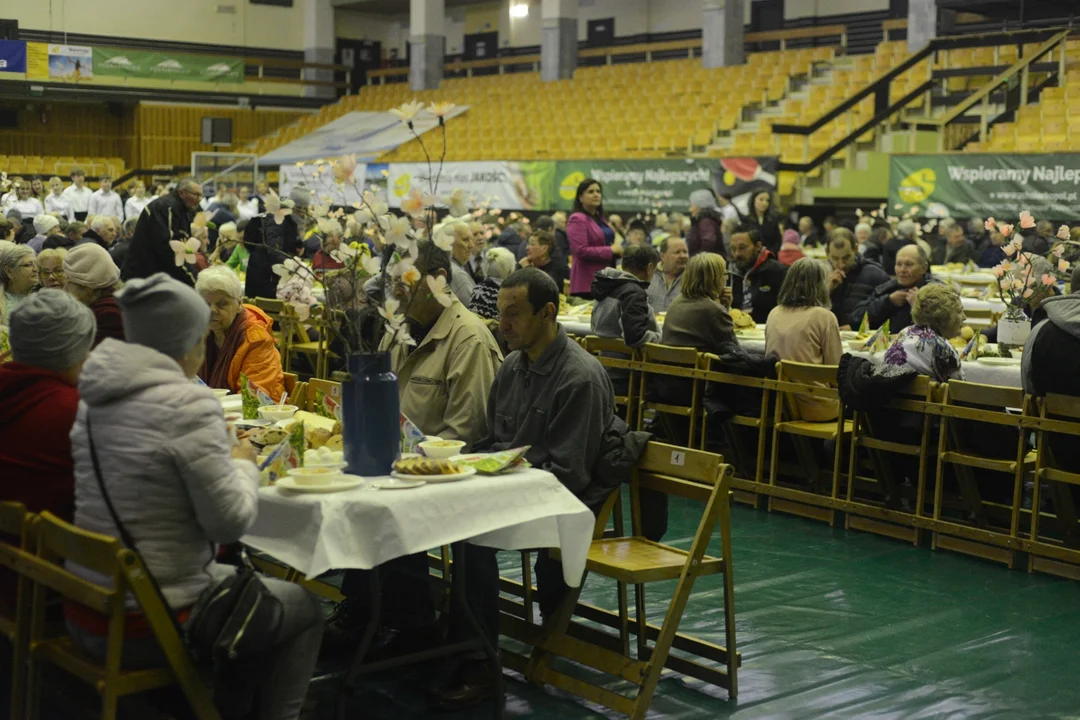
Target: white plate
pixel 468 472
pixel 252 423
pixel 347 482
pixel 1000 361
pixel 397 484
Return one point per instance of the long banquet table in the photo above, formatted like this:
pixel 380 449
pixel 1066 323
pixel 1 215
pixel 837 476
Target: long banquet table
pixel 363 527
pixel 974 371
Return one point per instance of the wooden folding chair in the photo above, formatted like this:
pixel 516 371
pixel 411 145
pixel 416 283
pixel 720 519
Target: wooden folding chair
pixel 613 353
pixel 874 501
pixel 967 410
pixel 1058 424
pixel 748 459
pixel 636 561
pixel 803 380
pixel 295 387
pixel 58 541
pixel 662 361
pixel 16 540
pixel 318 351
pixel 316 389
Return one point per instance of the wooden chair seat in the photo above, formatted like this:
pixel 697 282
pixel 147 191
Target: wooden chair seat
pixel 635 560
pixel 308 348
pixel 818 430
pixel 62 652
pixel 746 421
pixel 977 461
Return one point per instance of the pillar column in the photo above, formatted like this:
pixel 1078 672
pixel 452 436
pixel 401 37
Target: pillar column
pixel 427 43
pixel 722 30
pixel 922 24
pixel 319 45
pixel 558 46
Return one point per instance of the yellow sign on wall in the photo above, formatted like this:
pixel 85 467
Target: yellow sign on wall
pixel 37 61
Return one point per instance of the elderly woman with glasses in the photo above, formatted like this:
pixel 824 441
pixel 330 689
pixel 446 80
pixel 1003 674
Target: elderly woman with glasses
pixel 51 268
pixel 241 339
pixel 18 277
pixel 92 278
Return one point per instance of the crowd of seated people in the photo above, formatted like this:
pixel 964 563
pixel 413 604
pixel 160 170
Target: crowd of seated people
pixel 96 342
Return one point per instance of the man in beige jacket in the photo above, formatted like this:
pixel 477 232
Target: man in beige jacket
pixel 443 386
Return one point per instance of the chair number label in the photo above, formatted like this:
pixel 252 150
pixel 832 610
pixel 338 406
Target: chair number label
pixel 678 459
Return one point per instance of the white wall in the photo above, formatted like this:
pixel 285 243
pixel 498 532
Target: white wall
pixel 632 17
pixel 194 21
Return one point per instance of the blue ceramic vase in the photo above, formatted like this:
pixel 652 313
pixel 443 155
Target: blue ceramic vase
pixel 371 415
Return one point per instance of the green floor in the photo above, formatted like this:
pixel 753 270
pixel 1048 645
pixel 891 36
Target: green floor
pixel 842 624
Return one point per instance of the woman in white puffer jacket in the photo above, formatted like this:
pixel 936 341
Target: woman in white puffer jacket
pixel 176 486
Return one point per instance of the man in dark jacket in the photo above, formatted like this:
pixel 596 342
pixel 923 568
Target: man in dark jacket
pixel 270 243
pixel 906 231
pixel 622 306
pixel 956 248
pixel 511 239
pixel 892 300
pixel 853 277
pixel 756 275
pixel 553 396
pixel 166 218
pixel 705 221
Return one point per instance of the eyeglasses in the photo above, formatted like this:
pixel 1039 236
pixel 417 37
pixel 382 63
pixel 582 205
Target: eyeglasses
pixel 58 272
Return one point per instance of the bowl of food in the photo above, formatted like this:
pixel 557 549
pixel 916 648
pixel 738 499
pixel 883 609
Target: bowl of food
pixel 441 448
pixel 274 413
pixel 219 393
pixel 315 475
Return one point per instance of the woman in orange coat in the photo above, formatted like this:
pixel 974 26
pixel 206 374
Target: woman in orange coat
pixel 241 337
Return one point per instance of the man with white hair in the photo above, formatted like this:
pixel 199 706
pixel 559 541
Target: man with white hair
pixel 106 202
pixel 44 226
pixel 102 231
pixel 50 337
pixel 167 218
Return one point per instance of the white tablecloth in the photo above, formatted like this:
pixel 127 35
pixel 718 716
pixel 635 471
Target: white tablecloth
pixel 363 528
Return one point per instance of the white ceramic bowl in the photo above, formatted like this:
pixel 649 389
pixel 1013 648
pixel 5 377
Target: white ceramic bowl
pixel 274 413
pixel 315 475
pixel 330 464
pixel 219 393
pixel 442 448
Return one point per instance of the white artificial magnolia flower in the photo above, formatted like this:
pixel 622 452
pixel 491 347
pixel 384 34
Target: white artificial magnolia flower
pixel 372 264
pixel 343 168
pixel 413 203
pixel 458 202
pixel 397 232
pixel 293 268
pixel 440 289
pixel 406 112
pixel 371 208
pixel 344 254
pixel 402 336
pixel 185 251
pixel 389 311
pixel 441 109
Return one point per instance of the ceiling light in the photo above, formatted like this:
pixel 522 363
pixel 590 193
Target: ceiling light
pixel 519 11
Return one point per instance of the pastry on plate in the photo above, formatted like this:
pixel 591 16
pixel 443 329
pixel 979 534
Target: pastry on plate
pixel 426 466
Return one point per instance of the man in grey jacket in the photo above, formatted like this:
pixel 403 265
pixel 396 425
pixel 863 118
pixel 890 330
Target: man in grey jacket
pixel 556 398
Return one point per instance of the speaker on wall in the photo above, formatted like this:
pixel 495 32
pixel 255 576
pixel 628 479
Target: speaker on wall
pixel 216 131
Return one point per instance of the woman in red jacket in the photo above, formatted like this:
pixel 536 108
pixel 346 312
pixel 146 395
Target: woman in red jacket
pixel 592 241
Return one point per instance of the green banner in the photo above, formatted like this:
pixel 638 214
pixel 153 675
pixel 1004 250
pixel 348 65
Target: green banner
pixel 976 185
pixel 117 62
pixel 635 184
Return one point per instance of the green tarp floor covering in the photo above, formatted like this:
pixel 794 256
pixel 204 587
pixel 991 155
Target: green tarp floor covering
pixel 835 624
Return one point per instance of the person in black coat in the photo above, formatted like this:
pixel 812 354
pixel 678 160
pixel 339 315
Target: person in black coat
pixel 892 300
pixel 853 278
pixel 955 248
pixel 905 235
pixel 269 243
pixel 166 218
pixel 756 274
pixel 763 218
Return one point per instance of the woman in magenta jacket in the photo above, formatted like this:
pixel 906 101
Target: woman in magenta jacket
pixel 591 238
